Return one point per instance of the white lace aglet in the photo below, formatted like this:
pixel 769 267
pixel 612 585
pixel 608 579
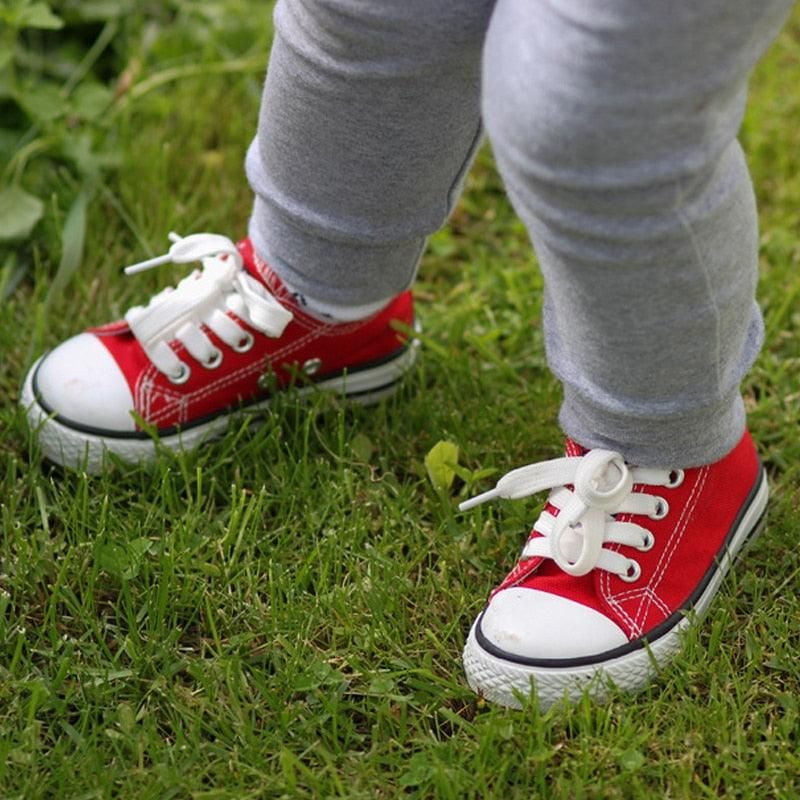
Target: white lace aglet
pixel 142 266
pixel 484 497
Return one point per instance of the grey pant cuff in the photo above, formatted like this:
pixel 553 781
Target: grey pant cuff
pixel 341 273
pixel 673 441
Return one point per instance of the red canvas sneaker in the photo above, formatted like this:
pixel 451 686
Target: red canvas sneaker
pixel 220 342
pixel 621 561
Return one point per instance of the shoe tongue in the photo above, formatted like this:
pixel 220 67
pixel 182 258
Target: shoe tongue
pixel 248 254
pixel 256 267
pixel 572 448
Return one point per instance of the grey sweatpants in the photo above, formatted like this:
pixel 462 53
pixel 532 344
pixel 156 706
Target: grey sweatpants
pixel 614 127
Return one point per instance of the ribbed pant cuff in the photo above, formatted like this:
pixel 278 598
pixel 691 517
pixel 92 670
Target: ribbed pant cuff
pixel 674 441
pixel 342 273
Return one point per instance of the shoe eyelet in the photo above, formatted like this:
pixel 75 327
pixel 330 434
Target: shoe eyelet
pixel 661 509
pixel 181 376
pixel 648 543
pixel 214 361
pixel 633 573
pixel 312 366
pixel 245 343
pixel 676 477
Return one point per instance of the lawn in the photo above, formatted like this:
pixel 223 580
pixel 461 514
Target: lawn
pixel 283 612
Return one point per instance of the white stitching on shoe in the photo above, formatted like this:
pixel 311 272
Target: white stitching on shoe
pixel 688 513
pixel 605 592
pixel 150 390
pixel 255 367
pixel 149 394
pixel 663 563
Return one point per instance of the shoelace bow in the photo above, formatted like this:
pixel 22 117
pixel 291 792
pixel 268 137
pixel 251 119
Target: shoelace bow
pixel 603 487
pixel 203 298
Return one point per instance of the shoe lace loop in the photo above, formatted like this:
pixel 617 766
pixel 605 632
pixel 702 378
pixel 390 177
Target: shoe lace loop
pixel 587 492
pixel 206 298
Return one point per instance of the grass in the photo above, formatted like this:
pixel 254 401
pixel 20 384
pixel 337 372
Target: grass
pixel 282 613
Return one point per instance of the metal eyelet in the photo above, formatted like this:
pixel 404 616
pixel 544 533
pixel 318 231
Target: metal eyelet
pixel 245 343
pixel 214 361
pixel 312 366
pixel 182 375
pixel 633 573
pixel 676 477
pixel 661 509
pixel 648 543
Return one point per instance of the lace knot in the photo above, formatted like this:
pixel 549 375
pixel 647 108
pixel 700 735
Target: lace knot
pixel 603 480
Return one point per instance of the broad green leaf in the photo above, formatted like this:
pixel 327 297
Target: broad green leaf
pixel 318 673
pixel 362 447
pixel 136 552
pixel 381 685
pixel 38 15
pixel 122 560
pixel 632 760
pixel 78 148
pixel 126 717
pixel 440 463
pixel 420 770
pixel 19 212
pixel 72 238
pixel 91 100
pixel 112 558
pixel 42 102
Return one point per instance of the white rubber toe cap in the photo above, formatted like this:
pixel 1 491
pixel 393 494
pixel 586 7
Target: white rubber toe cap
pixel 81 383
pixel 538 625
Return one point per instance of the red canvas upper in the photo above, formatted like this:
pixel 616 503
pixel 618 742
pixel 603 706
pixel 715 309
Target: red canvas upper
pixel 703 509
pixel 339 346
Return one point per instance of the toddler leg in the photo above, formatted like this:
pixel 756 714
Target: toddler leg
pixel 614 126
pixel 369 120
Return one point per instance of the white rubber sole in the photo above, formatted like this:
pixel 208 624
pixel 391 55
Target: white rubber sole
pixel 507 682
pixel 77 449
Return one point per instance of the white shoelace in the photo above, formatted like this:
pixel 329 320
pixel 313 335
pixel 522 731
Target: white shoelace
pixel 203 298
pixel 603 486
